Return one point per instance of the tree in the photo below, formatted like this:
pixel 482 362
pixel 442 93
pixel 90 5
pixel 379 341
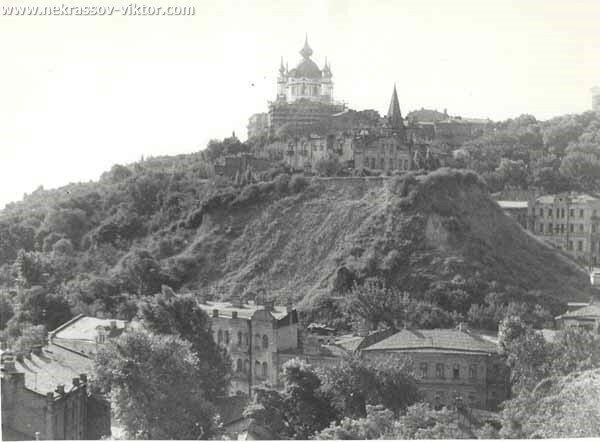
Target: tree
pixel 377 304
pixel 355 383
pixel 378 421
pixel 328 166
pixel 155 386
pixel 583 169
pixel 423 422
pixel 180 315
pixel 575 349
pixel 6 310
pixel 299 411
pixel 140 272
pixel 42 308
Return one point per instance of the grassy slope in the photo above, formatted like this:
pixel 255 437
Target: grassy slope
pixel 446 225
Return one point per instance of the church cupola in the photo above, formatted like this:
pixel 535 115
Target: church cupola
pixel 306 51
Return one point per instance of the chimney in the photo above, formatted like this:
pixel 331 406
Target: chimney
pixel 234 314
pixel 8 365
pixel 37 350
pixel 83 377
pixel 269 306
pixel 113 325
pixel 75 382
pixel 50 396
pixel 60 389
pixel 215 313
pixel 19 357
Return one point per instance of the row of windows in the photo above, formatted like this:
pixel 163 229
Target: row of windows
pixel 560 212
pixel 440 371
pixel 303 89
pixel 259 369
pixel 223 337
pixel 394 164
pixel 560 228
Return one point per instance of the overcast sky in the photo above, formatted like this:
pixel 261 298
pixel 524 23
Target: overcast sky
pixel 79 94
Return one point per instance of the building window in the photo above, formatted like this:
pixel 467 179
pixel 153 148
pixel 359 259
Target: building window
pixel 220 336
pixel 257 341
pixel 557 212
pixel 550 228
pixel 456 371
pixel 439 370
pixel 265 341
pixel 579 246
pixel 246 339
pixel 239 366
pixel 562 228
pixel 226 337
pixel 423 369
pixel 572 212
pixel 496 370
pixel 246 366
pixel 581 227
pixel 562 213
pixel 572 228
pixel 570 245
pixel 580 213
pixel 256 368
pixel 541 228
pixel 549 213
pixel 472 371
pixel 541 212
pixel 240 340
pixel 265 370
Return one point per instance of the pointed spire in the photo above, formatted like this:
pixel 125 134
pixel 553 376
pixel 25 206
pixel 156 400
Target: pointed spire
pixel 306 51
pixel 394 115
pixel 281 67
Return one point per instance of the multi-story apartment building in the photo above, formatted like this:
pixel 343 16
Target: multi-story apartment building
pixel 254 336
pixel 570 222
pixel 450 364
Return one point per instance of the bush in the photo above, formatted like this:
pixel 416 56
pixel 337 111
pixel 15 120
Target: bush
pixel 298 183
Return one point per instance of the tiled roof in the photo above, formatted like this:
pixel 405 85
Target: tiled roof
pixel 589 311
pixel 85 328
pixel 54 366
pixel 437 339
pixel 246 311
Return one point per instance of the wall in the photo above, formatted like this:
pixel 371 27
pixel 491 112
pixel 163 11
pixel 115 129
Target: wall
pixel 484 391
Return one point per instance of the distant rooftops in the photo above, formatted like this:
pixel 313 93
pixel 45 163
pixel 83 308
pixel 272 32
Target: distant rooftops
pixel 445 340
pixel 591 311
pixel 575 198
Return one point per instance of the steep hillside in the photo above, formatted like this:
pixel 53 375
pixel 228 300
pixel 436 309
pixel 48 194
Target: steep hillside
pixel 436 231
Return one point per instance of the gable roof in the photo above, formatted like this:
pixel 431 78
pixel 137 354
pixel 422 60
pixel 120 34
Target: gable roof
pixel 85 328
pixel 437 339
pixel 245 311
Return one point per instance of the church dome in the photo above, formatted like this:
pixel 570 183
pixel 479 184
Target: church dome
pixel 306 69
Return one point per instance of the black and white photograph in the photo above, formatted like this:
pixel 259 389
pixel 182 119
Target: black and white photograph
pixel 299 219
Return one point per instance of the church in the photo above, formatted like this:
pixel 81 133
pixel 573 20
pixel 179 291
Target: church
pixel 304 97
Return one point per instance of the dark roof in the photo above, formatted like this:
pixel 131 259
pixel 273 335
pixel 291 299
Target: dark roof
pixel 306 69
pixel 453 340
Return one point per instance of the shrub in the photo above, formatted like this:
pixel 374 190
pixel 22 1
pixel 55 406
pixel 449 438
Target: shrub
pixel 298 183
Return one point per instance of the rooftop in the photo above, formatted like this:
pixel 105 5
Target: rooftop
pixel 591 311
pixel 513 204
pixel 576 198
pixel 244 311
pixel 447 340
pixel 85 328
pixel 55 365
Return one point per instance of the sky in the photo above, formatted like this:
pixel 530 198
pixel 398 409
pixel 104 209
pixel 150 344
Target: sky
pixel 79 94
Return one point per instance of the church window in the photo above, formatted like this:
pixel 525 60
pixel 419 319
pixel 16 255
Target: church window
pixel 456 371
pixel 257 341
pixel 265 370
pixel 246 339
pixel 472 371
pixel 265 341
pixel 256 368
pixel 226 337
pixel 439 370
pixel 423 369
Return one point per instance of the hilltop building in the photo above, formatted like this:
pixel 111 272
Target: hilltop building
pixel 451 365
pixel 596 99
pixel 569 221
